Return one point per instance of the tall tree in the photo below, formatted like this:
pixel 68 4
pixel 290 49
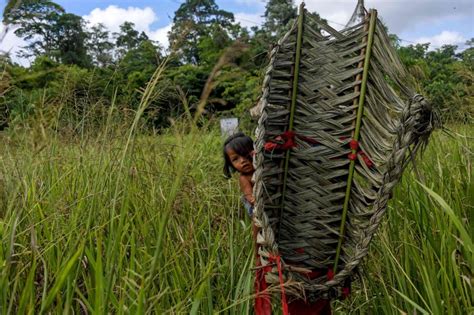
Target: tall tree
pixel 34 19
pixel 277 15
pixel 193 20
pixel 99 46
pixel 128 38
pixel 70 40
pixel 49 31
pixel 10 5
pixel 467 56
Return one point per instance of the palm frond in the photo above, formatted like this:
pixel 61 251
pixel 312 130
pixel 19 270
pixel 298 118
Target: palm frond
pixel 356 122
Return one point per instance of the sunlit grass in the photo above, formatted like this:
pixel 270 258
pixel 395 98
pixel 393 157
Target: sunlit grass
pixel 421 261
pixel 85 226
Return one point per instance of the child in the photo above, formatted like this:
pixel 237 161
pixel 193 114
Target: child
pixel 238 151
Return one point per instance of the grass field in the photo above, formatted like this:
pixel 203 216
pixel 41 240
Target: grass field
pixel 123 223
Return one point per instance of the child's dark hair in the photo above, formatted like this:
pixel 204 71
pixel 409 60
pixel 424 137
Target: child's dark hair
pixel 242 145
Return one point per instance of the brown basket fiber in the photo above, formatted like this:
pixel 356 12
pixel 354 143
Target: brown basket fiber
pixel 356 123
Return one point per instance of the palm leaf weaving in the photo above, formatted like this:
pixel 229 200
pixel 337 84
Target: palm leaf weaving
pixel 339 124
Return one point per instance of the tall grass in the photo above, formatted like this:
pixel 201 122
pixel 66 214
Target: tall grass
pixel 120 224
pixel 421 261
pixel 129 223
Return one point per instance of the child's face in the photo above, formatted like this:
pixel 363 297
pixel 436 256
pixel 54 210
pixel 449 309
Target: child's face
pixel 241 164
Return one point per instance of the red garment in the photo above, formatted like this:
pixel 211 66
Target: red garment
pixel 263 304
pixel 301 307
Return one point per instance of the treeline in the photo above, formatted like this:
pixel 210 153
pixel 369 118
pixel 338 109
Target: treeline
pixel 80 70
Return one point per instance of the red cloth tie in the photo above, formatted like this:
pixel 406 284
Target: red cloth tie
pixel 286 141
pixel 263 304
pixel 352 156
pixel 345 292
pixel 366 159
pixel 354 145
pixel 330 274
pixel 284 303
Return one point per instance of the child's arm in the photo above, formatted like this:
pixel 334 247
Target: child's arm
pixel 246 188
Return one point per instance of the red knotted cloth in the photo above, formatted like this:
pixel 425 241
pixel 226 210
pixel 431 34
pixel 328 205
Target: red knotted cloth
pixel 286 141
pixel 354 145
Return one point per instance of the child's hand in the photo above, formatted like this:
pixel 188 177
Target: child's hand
pixel 251 199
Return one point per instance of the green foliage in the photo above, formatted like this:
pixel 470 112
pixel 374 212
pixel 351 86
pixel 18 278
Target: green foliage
pixel 190 79
pixel 193 20
pixel 128 38
pixel 70 40
pixel 50 32
pixel 109 70
pixel 211 45
pixel 446 78
pixel 239 90
pixel 78 233
pixel 277 15
pixel 139 64
pixel 99 46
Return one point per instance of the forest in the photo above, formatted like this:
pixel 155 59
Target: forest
pixel 85 68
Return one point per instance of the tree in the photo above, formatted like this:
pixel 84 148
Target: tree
pixel 34 19
pixel 445 77
pixel 210 46
pixel 467 56
pixel 128 38
pixel 413 53
pixel 277 15
pixel 70 39
pixel 50 31
pixel 10 5
pixel 193 20
pixel 99 46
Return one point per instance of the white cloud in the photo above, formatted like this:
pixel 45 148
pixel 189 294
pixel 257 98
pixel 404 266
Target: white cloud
pixel 143 18
pixel 113 16
pixel 444 38
pixel 249 20
pixel 12 44
pixel 400 15
pixel 161 35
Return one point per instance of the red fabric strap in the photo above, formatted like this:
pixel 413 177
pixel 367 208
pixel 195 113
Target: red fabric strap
pixel 366 159
pixel 284 303
pixel 352 156
pixel 262 305
pixel 330 274
pixel 286 141
pixel 345 292
pixel 354 144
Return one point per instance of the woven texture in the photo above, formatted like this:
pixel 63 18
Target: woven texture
pixel 299 208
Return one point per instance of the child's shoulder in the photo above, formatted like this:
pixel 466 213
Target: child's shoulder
pixel 245 178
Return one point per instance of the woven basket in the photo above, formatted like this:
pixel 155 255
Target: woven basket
pixel 339 124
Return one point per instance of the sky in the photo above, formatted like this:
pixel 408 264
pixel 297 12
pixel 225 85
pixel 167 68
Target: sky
pixel 438 22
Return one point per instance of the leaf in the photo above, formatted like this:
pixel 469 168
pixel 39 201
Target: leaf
pixel 416 306
pixel 466 239
pixel 61 279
